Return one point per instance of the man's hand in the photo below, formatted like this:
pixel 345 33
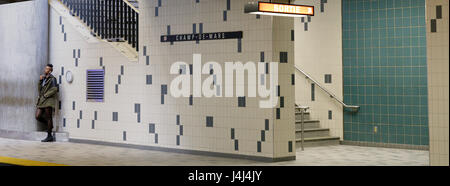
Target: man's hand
pixel 41 77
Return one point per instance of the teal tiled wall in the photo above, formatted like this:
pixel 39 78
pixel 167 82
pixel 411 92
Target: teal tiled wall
pixel 385 71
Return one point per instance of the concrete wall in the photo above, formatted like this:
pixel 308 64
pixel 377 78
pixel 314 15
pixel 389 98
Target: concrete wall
pixel 318 51
pixel 23 56
pixel 178 123
pixel 437 61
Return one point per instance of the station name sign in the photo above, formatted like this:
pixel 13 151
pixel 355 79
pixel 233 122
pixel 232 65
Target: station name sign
pixel 202 36
pixel 280 9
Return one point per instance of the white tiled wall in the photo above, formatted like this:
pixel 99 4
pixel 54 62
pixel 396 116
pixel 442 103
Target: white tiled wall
pixel 318 51
pixel 248 121
pixel 438 85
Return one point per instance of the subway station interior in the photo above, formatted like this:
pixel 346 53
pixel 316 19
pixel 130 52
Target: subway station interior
pixel 224 82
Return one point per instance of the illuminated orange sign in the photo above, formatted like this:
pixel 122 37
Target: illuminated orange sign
pixel 286 8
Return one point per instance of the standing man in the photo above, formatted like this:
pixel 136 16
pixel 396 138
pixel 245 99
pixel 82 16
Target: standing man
pixel 48 89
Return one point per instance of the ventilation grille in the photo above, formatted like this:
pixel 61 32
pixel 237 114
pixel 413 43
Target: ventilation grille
pixel 95 83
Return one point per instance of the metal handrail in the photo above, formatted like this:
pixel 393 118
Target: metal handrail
pixel 353 108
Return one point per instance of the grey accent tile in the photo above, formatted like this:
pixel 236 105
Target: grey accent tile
pixel 190 69
pixel 290 146
pixel 209 121
pixel 60 20
pixel 224 15
pixel 164 89
pixel 306 26
pixel 328 78
pixel 282 102
pixel 439 12
pixel 178 119
pixel 258 146
pixel 117 88
pixel 278 90
pixel 283 57
pixel 149 79
pixel 263 135
pixel 262 59
pixel 65 37
pixel 156 138
pixel 241 101
pixel 76 62
pixel 156 11
pixel 139 117
pixel 78 123
pixel 115 116
pixel 79 53
pixel 162 99
pixel 330 115
pixel 267 68
pixel 200 27
pixel 266 124
pixel 181 130
pixel 191 100
pixel 194 28
pixel 62 70
pixel 121 69
pixel 95 115
pixel 293 79
pixel 313 97
pixel 178 140
pixel 433 25
pixel 93 124
pixel 168 29
pixel 278 113
pixel 119 79
pixel 292 35
pixel 151 128
pixel 232 133
pixel 101 61
pixel 124 135
pixel 236 145
pixel 144 51
pixel 228 4
pixel 64 122
pixel 137 108
pixel 74 52
pixel 73 105
pixel 239 45
pixel 147 60
pixel 81 114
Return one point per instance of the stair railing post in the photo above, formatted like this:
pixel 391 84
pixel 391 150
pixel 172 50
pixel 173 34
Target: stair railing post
pixel 302 115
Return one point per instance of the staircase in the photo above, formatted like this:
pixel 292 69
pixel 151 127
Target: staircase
pixel 314 135
pixel 111 20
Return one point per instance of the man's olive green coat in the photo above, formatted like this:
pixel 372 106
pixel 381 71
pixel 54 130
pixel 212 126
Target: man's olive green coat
pixel 47 93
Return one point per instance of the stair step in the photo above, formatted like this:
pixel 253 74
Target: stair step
pixel 309 124
pixel 312 133
pixel 318 141
pixel 298 116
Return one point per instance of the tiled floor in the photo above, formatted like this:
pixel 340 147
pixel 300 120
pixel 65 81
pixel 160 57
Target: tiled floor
pixel 86 154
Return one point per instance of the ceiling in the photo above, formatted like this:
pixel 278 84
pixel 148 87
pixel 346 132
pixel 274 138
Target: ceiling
pixel 10 1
